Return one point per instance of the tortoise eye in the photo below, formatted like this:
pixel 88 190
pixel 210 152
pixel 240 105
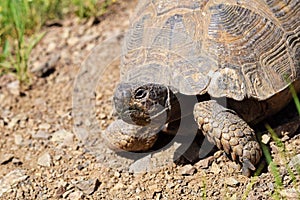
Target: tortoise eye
pixel 140 93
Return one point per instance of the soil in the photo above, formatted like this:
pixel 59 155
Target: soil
pixel 46 153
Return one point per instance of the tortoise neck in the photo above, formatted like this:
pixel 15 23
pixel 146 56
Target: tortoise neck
pixel 183 105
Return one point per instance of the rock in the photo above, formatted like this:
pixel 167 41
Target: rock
pixel 142 165
pixel 18 139
pixel 89 186
pixel 72 41
pixel 44 126
pixel 14 121
pixel 67 193
pixel 117 174
pixel 154 188
pixel 102 116
pixel 205 163
pixel 51 47
pixel 60 191
pixel 290 193
pixel 118 187
pixel 11 179
pixel 187 170
pixel 14 87
pixel 295 161
pixel 215 168
pixel 57 157
pixel 46 68
pixel 45 160
pixel 6 158
pixel 41 135
pixel 63 136
pixel 232 182
pixel 16 161
pixel 76 195
pixel 265 138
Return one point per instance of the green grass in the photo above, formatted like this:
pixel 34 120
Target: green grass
pixel 249 187
pixel 21 22
pixel 273 167
pixel 295 97
pixel 278 184
pixel 281 149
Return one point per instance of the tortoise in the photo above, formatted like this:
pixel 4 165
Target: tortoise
pixel 244 51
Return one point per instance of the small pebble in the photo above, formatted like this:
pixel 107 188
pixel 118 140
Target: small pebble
pixel 40 134
pixel 18 139
pixel 265 138
pixel 187 170
pixel 11 179
pixel 6 158
pixel 232 182
pixel 44 126
pixel 89 186
pixel 76 195
pixel 45 160
pixel 215 168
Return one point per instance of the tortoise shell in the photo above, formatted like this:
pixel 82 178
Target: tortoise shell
pixel 239 49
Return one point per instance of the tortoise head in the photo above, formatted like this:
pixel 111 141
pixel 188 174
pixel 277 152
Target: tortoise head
pixel 143 104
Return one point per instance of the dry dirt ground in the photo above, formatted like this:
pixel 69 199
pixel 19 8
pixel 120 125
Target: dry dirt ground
pixel 41 156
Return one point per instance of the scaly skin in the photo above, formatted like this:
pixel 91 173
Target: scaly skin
pixel 225 129
pixel 128 137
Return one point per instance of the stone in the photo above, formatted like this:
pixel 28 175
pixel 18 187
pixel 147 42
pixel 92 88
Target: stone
pixel 12 179
pixel 118 187
pixel 6 158
pixel 46 68
pixel 290 193
pixel 295 161
pixel 60 191
pixel 154 188
pixel 16 161
pixel 141 165
pixel 40 134
pixel 88 186
pixel 45 126
pixel 205 163
pixel 14 87
pixel 265 138
pixel 63 136
pixel 232 182
pixel 18 139
pixel 215 168
pixel 45 160
pixel 187 170
pixel 76 195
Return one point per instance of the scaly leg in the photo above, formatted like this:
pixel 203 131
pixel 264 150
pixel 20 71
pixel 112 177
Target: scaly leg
pixel 225 129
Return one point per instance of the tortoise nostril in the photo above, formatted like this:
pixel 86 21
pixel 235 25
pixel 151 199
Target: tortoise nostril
pixel 126 94
pixel 141 93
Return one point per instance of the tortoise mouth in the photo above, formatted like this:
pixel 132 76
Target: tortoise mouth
pixel 141 117
pixel 142 104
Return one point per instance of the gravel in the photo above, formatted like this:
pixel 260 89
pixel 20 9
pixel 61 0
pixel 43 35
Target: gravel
pixel 43 158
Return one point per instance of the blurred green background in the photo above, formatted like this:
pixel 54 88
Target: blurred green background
pixel 21 22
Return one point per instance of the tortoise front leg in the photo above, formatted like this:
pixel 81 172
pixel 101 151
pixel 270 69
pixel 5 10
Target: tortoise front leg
pixel 225 129
pixel 123 136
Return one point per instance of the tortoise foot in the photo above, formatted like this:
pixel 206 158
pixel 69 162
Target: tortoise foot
pixel 225 129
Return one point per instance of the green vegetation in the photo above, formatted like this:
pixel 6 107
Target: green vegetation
pixel 249 187
pixel 22 20
pixel 278 185
pixel 273 167
pixel 295 97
